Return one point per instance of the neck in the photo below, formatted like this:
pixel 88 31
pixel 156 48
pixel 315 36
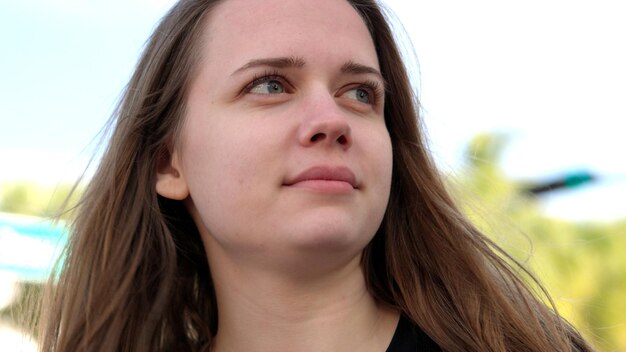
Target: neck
pixel 266 311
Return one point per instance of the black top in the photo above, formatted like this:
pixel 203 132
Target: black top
pixel 410 338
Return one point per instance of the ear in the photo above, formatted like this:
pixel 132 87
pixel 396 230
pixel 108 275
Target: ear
pixel 170 182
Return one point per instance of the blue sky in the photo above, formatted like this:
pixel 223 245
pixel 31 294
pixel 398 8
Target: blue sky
pixel 550 74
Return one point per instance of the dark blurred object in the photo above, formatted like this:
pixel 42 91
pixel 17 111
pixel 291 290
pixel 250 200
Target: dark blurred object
pixel 571 180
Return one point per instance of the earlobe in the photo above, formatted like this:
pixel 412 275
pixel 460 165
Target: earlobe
pixel 170 182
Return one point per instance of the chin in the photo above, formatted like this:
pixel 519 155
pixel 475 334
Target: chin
pixel 330 237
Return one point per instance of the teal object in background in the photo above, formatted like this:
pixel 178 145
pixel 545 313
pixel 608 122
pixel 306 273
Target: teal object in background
pixel 569 180
pixel 30 246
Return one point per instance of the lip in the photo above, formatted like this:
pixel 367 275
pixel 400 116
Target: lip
pixel 325 179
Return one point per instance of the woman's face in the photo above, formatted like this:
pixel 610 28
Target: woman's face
pixel 284 149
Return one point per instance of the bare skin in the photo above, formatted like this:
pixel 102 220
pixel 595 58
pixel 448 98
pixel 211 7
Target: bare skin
pixel 285 163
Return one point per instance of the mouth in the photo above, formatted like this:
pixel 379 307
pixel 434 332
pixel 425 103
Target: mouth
pixel 325 179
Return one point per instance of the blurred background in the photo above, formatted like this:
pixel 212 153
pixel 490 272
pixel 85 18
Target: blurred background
pixel 524 104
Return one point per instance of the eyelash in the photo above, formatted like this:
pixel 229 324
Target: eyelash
pixel 265 77
pixel 373 87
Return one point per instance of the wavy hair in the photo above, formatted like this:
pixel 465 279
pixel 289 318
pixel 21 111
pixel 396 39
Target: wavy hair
pixel 135 275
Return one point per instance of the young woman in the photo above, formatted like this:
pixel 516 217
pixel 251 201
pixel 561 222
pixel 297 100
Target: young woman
pixel 266 188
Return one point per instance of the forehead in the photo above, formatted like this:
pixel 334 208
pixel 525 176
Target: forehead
pixel 238 31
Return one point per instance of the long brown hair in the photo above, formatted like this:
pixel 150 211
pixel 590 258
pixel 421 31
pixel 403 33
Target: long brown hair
pixel 135 275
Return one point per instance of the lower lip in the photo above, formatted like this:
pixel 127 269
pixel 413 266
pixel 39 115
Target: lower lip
pixel 325 186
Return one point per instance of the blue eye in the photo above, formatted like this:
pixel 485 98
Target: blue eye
pixel 359 94
pixel 268 87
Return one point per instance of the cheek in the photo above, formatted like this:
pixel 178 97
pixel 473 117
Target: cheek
pixel 217 186
pixel 225 168
pixel 385 167
pixel 384 173
pixel 221 151
pixel 382 167
pixel 216 164
pixel 380 161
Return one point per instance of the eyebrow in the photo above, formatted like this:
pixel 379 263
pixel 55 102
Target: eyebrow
pixel 349 67
pixel 277 62
pixel 357 69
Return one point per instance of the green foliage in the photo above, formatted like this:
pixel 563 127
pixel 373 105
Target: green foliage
pixel 23 197
pixel 582 265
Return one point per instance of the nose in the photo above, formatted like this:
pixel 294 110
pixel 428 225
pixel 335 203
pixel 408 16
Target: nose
pixel 324 123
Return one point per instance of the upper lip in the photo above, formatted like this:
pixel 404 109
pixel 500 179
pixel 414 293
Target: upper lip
pixel 329 173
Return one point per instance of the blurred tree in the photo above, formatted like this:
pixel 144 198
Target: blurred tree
pixel 18 198
pixel 23 197
pixel 581 264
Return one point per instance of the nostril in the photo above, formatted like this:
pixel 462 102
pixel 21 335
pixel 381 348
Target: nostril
pixel 342 140
pixel 318 137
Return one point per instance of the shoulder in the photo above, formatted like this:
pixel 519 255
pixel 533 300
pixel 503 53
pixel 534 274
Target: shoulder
pixel 410 338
